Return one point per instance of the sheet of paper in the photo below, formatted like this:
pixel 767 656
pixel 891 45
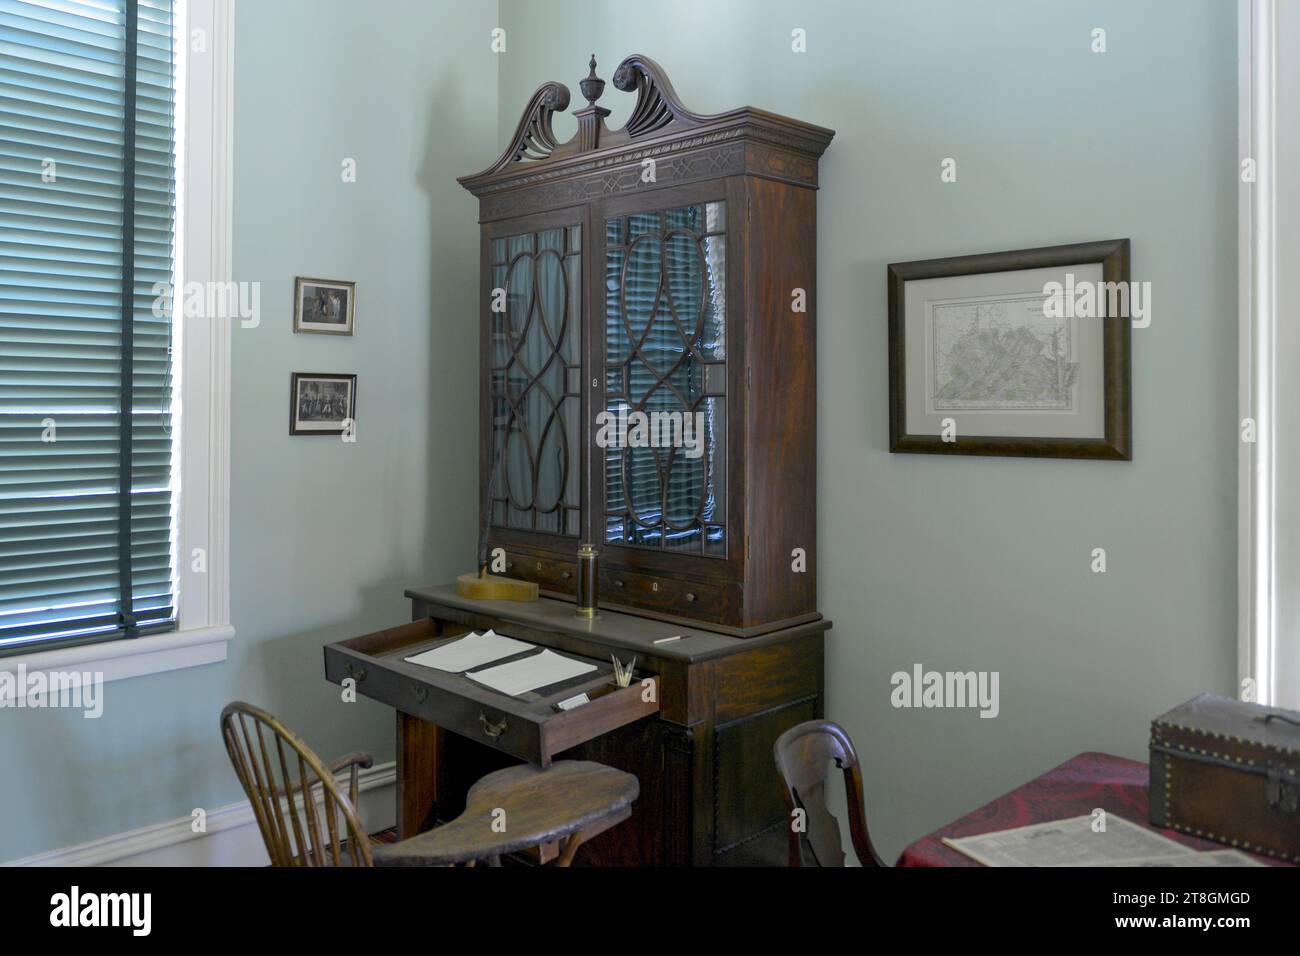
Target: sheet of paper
pixel 472 650
pixel 530 673
pixel 1071 842
pixel 1204 858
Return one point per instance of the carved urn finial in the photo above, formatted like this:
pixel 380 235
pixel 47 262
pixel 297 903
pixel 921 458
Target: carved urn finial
pixel 591 118
pixel 593 85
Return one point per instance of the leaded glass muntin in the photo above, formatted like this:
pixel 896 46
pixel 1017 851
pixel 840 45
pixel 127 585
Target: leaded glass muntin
pixel 532 395
pixel 666 291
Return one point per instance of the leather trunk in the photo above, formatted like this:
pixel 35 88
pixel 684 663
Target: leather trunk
pixel 1229 771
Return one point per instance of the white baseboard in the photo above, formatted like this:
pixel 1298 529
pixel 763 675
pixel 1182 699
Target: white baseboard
pixel 231 837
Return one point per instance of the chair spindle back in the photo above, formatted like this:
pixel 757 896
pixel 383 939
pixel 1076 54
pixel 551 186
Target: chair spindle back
pixel 304 816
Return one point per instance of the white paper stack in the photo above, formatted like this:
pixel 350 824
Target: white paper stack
pixel 472 650
pixel 530 673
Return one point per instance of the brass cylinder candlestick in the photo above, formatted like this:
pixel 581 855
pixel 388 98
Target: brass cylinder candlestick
pixel 588 575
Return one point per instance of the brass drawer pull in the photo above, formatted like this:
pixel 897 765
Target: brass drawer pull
pixel 618 584
pixel 689 596
pixel 492 730
pixel 654 586
pixel 565 575
pixel 539 565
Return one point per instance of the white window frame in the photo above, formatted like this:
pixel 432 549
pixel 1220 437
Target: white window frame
pixel 1268 344
pixel 203 511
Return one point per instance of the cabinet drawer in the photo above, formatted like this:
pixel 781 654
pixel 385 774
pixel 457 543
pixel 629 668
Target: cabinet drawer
pixel 528 726
pixel 690 599
pixel 549 574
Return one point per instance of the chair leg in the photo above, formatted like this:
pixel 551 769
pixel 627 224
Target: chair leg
pixel 571 845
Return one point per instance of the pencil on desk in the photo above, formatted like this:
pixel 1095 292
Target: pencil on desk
pixel 623 672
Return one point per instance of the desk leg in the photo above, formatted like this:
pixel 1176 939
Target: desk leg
pixel 419 749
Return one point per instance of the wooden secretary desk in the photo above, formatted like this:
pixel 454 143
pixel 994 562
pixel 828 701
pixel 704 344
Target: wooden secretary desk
pixel 665 273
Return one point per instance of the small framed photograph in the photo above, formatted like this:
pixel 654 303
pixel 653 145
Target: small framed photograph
pixel 324 306
pixel 321 403
pixel 1022 353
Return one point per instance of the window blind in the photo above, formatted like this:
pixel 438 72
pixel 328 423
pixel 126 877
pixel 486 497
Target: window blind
pixel 87 228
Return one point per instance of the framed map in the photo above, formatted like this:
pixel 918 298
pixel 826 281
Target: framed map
pixel 1020 353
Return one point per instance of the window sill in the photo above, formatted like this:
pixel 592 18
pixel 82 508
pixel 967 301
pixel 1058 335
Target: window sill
pixel 119 660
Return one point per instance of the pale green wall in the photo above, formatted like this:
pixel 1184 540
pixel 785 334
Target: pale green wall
pixel 324 536
pixel 977 563
pixel 957 564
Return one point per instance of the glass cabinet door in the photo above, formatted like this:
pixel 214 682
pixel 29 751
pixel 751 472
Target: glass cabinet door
pixel 535 376
pixel 663 434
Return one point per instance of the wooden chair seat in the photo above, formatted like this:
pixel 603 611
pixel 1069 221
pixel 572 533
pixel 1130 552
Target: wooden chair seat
pixel 523 807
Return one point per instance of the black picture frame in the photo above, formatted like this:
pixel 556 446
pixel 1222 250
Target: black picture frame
pixel 296 381
pixel 1117 443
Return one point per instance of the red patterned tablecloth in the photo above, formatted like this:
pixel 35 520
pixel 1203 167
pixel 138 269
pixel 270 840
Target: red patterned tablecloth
pixel 1073 789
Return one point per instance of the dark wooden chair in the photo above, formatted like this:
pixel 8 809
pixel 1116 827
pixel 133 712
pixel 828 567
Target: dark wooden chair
pixel 553 811
pixel 803 757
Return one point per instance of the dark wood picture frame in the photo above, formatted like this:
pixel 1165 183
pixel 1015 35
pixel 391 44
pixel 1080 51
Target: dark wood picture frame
pixel 1117 443
pixel 296 377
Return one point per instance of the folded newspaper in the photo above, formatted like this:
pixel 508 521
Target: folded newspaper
pixel 1088 841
